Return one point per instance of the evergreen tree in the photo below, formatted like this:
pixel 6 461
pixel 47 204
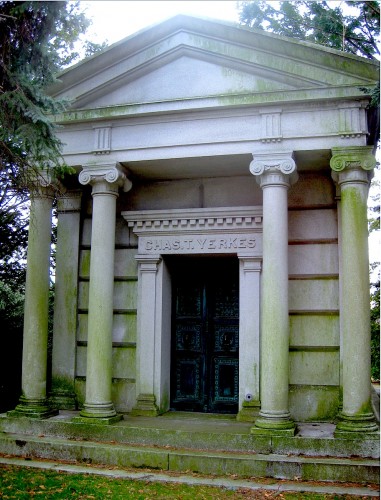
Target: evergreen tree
pixel 374 225
pixel 37 39
pixel 348 26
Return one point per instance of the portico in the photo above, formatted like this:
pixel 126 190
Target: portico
pixel 235 172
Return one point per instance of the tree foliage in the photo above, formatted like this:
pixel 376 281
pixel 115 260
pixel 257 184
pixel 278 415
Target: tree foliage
pixel 37 39
pixel 348 26
pixel 375 328
pixel 13 234
pixel 374 225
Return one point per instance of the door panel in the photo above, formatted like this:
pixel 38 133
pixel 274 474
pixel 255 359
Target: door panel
pixel 204 359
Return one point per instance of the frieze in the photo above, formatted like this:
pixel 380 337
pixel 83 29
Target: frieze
pixel 197 244
pixel 198 231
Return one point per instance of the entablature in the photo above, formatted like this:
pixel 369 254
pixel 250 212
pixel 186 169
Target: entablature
pixel 235 230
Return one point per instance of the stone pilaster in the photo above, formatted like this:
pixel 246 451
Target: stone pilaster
pixel 275 172
pixel 65 301
pixel 249 359
pixel 105 181
pixel 352 168
pixel 33 401
pixel 147 326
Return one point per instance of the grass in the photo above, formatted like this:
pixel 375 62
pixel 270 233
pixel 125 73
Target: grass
pixel 24 483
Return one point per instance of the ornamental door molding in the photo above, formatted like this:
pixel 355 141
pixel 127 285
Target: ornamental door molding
pixel 235 230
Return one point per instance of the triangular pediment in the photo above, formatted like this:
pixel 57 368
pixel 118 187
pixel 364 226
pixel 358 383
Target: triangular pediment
pixel 187 58
pixel 186 77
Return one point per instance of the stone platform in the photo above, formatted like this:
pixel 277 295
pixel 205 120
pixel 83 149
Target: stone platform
pixel 208 444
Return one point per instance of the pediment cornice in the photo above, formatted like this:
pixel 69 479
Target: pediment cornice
pixel 254 53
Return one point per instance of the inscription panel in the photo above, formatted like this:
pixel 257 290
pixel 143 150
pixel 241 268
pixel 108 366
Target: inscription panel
pixel 201 244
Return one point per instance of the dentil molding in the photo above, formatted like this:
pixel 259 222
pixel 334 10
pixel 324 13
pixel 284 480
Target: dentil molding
pixel 195 219
pixel 236 230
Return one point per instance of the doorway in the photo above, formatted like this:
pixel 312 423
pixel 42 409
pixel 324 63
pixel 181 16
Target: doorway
pixel 205 335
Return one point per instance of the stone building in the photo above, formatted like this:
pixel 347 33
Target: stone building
pixel 212 245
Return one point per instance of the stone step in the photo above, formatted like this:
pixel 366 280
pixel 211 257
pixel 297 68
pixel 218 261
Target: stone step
pixel 214 434
pixel 279 466
pixel 259 486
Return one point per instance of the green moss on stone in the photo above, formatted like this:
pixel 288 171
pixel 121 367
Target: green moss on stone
pixel 62 384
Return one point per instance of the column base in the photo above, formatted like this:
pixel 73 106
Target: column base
pixel 363 425
pixel 249 411
pixel 145 406
pixel 98 414
pixel 274 424
pixel 33 408
pixel 98 420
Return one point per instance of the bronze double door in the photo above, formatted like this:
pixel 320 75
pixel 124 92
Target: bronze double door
pixel 204 350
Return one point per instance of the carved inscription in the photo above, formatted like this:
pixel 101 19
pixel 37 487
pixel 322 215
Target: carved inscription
pixel 197 244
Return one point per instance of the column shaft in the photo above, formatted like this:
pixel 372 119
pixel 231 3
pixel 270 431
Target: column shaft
pixel 105 179
pixel 275 328
pixel 274 416
pixel 98 402
pixel 356 414
pixel 33 402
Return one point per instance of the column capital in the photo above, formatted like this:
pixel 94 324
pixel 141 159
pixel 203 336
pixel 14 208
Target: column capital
pixel 105 178
pixel 148 263
pixel 250 263
pixel 274 168
pixel 352 164
pixel 43 184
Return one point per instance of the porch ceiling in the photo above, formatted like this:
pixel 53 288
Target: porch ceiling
pixel 216 166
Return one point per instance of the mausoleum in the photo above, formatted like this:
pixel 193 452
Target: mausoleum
pixel 212 244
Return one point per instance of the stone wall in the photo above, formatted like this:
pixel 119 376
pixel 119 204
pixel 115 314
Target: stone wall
pixel 124 326
pixel 313 299
pixel 313 285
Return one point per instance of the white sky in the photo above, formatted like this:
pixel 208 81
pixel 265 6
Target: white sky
pixel 114 20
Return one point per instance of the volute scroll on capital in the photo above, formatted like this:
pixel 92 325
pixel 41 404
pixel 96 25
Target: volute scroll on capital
pixel 352 159
pixel 258 167
pixel 113 174
pixel 281 163
pixel 44 184
pixel 352 164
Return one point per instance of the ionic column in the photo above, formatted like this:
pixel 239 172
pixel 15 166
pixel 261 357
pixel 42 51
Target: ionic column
pixel 352 168
pixel 275 172
pixel 65 300
pixel 147 333
pixel 33 401
pixel 105 181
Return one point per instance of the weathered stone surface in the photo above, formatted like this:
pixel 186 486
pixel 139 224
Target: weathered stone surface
pixel 188 109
